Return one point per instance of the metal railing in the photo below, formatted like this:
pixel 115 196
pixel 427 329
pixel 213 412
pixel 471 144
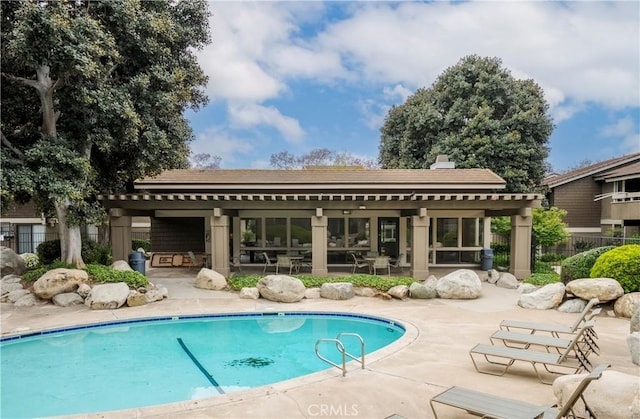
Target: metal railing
pixel 344 354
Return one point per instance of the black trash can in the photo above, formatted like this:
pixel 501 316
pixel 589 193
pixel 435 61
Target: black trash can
pixel 486 262
pixel 137 261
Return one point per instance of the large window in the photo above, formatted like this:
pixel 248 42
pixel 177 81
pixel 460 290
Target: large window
pixel 300 232
pixel 335 233
pixel 457 240
pixel 472 231
pixel 359 233
pixel 276 229
pixel 251 232
pixel 447 232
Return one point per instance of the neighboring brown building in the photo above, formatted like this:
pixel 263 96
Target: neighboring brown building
pixel 438 217
pixel 23 228
pixel 599 197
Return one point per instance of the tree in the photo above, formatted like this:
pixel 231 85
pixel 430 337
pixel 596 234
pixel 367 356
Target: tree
pixel 480 116
pixel 318 157
pixel 549 228
pixel 205 161
pixel 93 96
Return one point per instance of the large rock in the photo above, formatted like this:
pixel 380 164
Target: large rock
pixel 604 289
pixel 493 276
pixel 250 293
pixel 209 279
pixel 107 296
pixel 545 298
pixel 627 305
pixel 633 340
pixel 121 265
pixel 399 291
pixel 158 294
pixel 634 324
pixel 508 280
pixel 15 295
pixel 11 279
pixel 136 299
pixel 422 291
pixel 58 281
pixel 281 288
pixel 460 284
pixel 28 300
pixel 11 262
pixel 364 291
pixel 526 288
pixel 7 287
pixel 314 293
pixel 574 305
pixel 609 397
pixel 67 299
pixel 337 290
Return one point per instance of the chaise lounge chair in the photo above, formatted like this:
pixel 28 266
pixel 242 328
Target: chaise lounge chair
pixel 552 328
pixel 560 362
pixel 489 406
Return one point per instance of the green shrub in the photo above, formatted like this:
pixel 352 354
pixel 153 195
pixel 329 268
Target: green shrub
pixel 543 268
pixel 552 257
pixel 48 251
pixel 100 273
pixel 141 243
pixel 381 283
pixel 540 279
pixel 500 259
pixel 96 253
pixel 621 264
pixel 579 265
pixel 31 261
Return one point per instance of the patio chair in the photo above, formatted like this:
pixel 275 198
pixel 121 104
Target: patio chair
pixel 399 263
pixel 359 265
pixel 195 262
pixel 560 362
pixel 490 406
pixel 556 329
pixel 267 263
pixel 286 262
pixel 381 262
pixel 526 340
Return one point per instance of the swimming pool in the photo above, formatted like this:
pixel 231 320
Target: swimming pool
pixel 142 362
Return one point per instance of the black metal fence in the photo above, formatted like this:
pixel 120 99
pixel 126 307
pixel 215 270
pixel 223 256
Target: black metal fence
pixel 28 243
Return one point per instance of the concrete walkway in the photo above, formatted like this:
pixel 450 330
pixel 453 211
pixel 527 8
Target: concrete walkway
pixel 399 379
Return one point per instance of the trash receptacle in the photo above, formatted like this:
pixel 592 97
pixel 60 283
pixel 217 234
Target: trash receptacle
pixel 486 262
pixel 137 262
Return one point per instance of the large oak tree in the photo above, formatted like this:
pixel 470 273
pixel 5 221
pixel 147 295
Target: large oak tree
pixel 478 114
pixel 93 97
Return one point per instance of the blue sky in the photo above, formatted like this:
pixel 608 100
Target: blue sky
pixel 303 75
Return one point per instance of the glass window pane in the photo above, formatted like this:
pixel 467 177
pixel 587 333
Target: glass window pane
pixel 359 232
pixel 472 231
pixel 300 232
pixel 447 231
pixel 335 232
pixel 250 232
pixel 276 232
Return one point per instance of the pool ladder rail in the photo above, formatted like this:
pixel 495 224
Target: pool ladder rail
pixel 342 350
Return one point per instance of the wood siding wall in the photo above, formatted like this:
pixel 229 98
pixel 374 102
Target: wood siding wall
pixel 27 210
pixel 177 234
pixel 577 198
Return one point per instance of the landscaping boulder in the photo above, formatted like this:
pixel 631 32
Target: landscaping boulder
pixel 15 295
pixel 526 288
pixel 633 340
pixel 364 291
pixel 83 290
pixel 107 296
pixel 399 291
pixel 604 289
pixel 609 397
pixel 7 287
pixel 121 265
pixel 421 291
pixel 11 262
pixel 627 305
pixel 156 295
pixel 29 300
pixel 634 325
pixel 209 279
pixel 67 299
pixel 10 279
pixel 281 288
pixel 337 290
pixel 136 299
pixel 460 284
pixel 58 281
pixel 573 305
pixel 250 293
pixel 493 276
pixel 508 281
pixel 545 298
pixel 313 293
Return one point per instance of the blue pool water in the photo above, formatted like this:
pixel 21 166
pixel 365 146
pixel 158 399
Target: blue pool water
pixel 145 362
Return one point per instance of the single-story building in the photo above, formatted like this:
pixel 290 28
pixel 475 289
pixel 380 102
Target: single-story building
pixel 437 217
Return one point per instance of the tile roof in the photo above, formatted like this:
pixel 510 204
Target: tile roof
pixel 340 178
pixel 594 169
pixel 625 171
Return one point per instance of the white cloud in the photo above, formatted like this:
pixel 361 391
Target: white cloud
pixel 397 92
pixel 251 115
pixel 216 142
pixel 627 132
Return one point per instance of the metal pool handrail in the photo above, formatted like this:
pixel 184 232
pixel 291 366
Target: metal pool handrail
pixel 342 350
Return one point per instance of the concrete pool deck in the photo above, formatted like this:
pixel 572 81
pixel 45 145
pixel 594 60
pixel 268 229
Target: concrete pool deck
pixel 399 379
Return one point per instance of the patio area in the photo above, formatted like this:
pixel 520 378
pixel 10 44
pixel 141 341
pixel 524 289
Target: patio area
pixel 398 380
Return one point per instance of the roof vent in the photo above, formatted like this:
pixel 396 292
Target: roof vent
pixel 442 162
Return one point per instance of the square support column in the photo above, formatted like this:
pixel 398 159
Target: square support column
pixel 520 258
pixel 120 226
pixel 220 243
pixel 420 245
pixel 319 244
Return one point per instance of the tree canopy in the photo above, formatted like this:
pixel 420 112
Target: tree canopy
pixel 549 227
pixel 93 97
pixel 318 157
pixel 478 114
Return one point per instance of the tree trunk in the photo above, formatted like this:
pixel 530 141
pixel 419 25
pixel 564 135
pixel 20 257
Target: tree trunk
pixel 70 237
